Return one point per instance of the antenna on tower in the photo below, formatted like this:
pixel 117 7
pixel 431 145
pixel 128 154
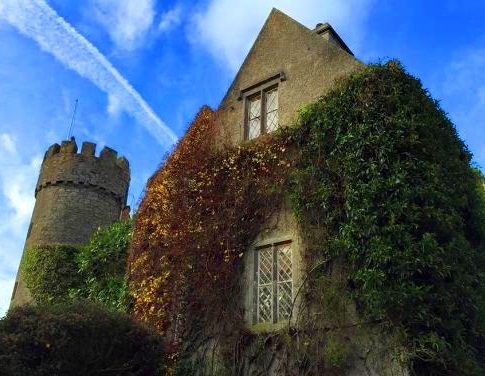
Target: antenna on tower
pixel 72 121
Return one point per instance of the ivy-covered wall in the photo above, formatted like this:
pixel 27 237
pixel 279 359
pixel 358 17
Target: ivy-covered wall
pixel 392 218
pixel 56 274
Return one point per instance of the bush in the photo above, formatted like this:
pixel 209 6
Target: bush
pixel 102 264
pixel 96 271
pixel 81 339
pixel 51 272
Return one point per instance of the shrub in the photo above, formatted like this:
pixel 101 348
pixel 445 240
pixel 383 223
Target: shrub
pixel 81 339
pixel 102 264
pixel 96 271
pixel 51 272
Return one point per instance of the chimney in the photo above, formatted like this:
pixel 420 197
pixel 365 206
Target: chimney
pixel 326 31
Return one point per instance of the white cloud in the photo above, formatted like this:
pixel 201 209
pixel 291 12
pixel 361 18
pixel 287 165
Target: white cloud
pixel 126 21
pixel 7 143
pixel 17 177
pixel 114 105
pixel 228 28
pixel 35 19
pixel 170 19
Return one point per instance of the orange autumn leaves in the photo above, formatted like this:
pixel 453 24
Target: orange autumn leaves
pixel 201 211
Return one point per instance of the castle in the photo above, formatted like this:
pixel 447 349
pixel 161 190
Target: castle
pixel 75 194
pixel 288 67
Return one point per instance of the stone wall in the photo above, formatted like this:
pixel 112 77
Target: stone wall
pixel 308 64
pixel 304 65
pixel 283 348
pixel 75 194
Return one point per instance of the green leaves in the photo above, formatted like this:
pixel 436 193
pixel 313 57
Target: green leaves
pixel 384 174
pixel 102 264
pixel 78 339
pixel 61 273
pixel 50 273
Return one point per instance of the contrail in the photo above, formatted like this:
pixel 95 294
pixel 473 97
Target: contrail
pixel 37 20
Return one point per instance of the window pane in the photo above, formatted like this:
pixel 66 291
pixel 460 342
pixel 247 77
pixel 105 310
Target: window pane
pixel 265 304
pixel 265 285
pixel 272 110
pixel 254 117
pixel 285 281
pixel 265 266
pixel 271 100
pixel 254 128
pixel 254 107
pixel 272 121
pixel 284 300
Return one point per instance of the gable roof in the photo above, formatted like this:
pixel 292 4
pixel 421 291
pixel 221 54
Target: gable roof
pixel 278 17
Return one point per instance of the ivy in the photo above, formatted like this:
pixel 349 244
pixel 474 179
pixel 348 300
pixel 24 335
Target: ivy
pixel 102 264
pixel 383 172
pixel 50 272
pixel 96 271
pixel 393 220
pixel 201 211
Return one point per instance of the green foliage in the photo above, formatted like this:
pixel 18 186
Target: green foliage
pixel 96 271
pixel 336 351
pixel 51 272
pixel 385 182
pixel 82 339
pixel 102 264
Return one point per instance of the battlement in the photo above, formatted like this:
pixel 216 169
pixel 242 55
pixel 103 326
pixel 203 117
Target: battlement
pixel 64 165
pixel 88 149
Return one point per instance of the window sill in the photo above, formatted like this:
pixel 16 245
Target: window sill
pixel 267 327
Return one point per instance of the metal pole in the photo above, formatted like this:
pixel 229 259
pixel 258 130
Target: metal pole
pixel 72 121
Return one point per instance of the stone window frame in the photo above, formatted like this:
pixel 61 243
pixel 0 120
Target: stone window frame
pixel 252 319
pixel 260 89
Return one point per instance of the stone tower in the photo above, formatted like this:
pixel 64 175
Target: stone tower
pixel 75 194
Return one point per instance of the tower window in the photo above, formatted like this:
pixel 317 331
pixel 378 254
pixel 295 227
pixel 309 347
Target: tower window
pixel 274 283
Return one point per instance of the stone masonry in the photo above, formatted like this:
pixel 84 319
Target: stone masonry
pixel 75 194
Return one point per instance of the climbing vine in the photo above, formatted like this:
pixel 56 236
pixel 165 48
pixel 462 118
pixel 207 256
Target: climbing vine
pixel 50 272
pixel 96 271
pixel 383 176
pixel 201 211
pixel 392 216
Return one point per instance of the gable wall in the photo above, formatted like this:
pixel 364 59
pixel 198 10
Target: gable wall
pixel 310 63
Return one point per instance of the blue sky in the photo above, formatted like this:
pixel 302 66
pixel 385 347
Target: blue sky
pixel 141 69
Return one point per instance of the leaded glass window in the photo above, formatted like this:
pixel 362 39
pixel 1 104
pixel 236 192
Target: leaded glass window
pixel 274 283
pixel 271 110
pixel 254 117
pixel 262 112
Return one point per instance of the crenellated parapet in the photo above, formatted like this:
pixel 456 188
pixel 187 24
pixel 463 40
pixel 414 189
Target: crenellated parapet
pixel 63 165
